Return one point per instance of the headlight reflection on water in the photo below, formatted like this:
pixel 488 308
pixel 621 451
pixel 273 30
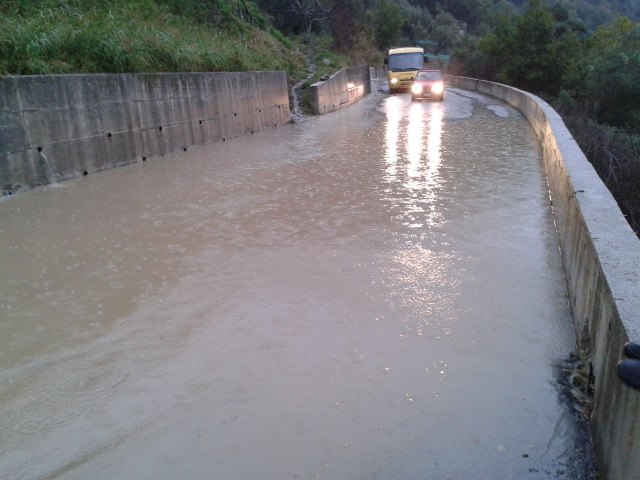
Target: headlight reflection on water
pixel 414 145
pixel 393 108
pixel 413 140
pixel 421 274
pixel 424 162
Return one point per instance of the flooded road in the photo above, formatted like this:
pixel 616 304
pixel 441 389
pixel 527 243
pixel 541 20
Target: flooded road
pixel 372 294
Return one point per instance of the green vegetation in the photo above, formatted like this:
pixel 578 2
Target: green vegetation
pixel 325 61
pixel 70 36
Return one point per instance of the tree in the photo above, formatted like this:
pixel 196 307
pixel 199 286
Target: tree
pixel 534 63
pixel 346 22
pixel 613 71
pixel 311 11
pixel 418 23
pixel 494 50
pixel 446 32
pixel 389 19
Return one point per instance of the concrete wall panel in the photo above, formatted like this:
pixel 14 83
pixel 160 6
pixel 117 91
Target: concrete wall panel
pixel 341 89
pixel 601 256
pixel 13 135
pixel 61 126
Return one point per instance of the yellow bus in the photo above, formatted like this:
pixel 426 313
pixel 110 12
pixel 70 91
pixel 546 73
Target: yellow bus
pixel 402 66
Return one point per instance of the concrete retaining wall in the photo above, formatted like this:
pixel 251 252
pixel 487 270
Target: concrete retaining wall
pixel 601 256
pixel 343 88
pixel 62 126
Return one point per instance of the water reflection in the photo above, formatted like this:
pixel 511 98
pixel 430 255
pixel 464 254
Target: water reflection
pixel 414 144
pixel 434 160
pixel 413 138
pixel 434 141
pixel 393 109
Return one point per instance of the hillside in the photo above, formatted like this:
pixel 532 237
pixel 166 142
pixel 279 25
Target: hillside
pixel 65 36
pixel 72 36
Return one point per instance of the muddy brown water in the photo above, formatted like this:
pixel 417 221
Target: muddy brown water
pixel 372 294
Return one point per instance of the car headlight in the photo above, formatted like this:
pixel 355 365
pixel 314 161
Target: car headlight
pixel 416 88
pixel 437 88
pixel 394 81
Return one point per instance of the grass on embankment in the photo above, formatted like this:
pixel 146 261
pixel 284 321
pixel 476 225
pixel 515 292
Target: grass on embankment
pixel 110 36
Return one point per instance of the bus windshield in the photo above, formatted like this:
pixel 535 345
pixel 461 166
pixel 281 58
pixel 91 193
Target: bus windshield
pixel 406 61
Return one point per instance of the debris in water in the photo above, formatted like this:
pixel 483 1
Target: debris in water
pixel 577 382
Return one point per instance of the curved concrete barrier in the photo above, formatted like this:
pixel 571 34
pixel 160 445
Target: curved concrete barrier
pixel 60 126
pixel 343 88
pixel 601 256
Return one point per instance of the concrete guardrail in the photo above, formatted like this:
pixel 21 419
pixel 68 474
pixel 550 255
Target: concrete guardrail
pixel 61 126
pixel 343 88
pixel 601 256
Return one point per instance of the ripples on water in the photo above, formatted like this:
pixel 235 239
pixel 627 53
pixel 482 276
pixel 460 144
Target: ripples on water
pixel 371 294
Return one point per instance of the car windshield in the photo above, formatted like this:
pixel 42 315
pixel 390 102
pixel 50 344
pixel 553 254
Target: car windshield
pixel 434 75
pixel 406 61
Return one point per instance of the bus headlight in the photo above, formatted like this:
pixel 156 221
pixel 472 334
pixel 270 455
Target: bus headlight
pixel 437 88
pixel 416 88
pixel 394 81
